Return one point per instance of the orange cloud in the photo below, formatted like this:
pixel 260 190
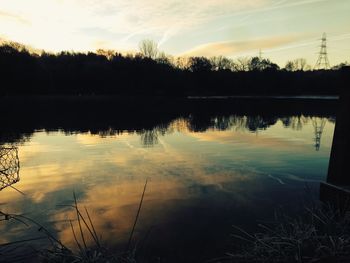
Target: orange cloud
pixel 231 48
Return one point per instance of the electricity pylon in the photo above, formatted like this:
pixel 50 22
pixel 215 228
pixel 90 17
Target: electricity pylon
pixel 322 61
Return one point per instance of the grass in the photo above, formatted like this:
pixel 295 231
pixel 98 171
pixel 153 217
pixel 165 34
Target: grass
pixel 320 234
pixel 58 252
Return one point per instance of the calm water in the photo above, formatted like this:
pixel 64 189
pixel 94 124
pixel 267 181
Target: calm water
pixel 202 179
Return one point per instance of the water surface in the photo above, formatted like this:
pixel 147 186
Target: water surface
pixel 204 175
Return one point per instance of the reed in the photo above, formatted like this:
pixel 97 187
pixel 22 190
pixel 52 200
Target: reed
pixel 58 252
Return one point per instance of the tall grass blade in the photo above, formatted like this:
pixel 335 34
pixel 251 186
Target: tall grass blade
pixel 137 216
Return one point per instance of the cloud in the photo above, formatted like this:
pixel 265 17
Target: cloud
pixel 11 16
pixel 340 37
pixel 83 25
pixel 232 48
pixel 311 42
pixel 262 141
pixel 158 19
pixel 270 5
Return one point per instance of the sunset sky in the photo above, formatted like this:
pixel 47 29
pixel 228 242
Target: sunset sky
pixel 282 29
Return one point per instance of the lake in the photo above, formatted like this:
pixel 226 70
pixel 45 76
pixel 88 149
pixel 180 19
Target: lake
pixel 208 165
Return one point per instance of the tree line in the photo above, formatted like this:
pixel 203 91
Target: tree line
pixel 151 72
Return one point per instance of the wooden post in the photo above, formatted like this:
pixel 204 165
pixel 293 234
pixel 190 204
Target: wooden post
pixel 337 188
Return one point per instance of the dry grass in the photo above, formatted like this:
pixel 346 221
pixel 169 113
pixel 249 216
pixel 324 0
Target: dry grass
pixel 321 234
pixel 58 252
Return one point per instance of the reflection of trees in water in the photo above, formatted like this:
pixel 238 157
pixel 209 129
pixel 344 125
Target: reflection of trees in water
pixel 225 123
pixel 260 123
pixel 110 132
pixel 243 123
pixel 150 137
pixel 179 125
pixel 9 166
pixel 7 137
pixel 235 123
pixel 318 123
pixel 250 123
pixel 149 132
pixel 295 122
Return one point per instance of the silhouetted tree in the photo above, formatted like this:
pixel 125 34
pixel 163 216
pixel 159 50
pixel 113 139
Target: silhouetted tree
pixel 297 64
pixel 199 64
pixel 341 65
pixel 289 66
pixel 149 48
pixel 109 54
pixel 164 59
pixel 241 64
pixel 259 64
pixel 182 62
pixel 221 63
pixel 109 72
pixel 302 64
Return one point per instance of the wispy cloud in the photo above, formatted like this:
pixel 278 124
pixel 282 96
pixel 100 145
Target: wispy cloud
pixel 165 19
pixel 278 5
pixel 340 37
pixel 232 48
pixel 11 16
pixel 159 19
pixel 311 42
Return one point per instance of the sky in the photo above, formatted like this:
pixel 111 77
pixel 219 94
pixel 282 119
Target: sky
pixel 282 29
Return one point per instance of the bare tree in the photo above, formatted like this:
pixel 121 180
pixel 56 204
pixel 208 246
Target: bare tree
pixel 297 64
pixel 302 64
pixel 221 63
pixel 242 64
pixel 289 66
pixel 199 64
pixel 163 58
pixel 182 62
pixel 149 48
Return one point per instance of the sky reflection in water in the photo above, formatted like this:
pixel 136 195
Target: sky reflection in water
pixel 200 183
